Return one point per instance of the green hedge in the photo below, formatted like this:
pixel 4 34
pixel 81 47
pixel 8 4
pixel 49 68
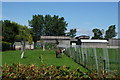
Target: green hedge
pixel 6 46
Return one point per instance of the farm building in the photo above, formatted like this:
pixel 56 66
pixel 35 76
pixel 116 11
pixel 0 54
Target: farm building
pixel 114 43
pixel 62 41
pixel 94 43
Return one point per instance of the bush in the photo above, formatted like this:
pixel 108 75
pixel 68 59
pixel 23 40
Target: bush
pixel 6 46
pixel 32 72
pixel 18 71
pixel 50 46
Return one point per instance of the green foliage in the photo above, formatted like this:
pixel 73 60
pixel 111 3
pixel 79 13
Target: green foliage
pixel 97 34
pixel 23 33
pixel 47 25
pixel 37 24
pixel 9 31
pixel 5 45
pixel 72 33
pixel 110 33
pixel 18 71
pixel 30 39
pixel 50 46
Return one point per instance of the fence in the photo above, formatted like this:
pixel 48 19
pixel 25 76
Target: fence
pixel 94 58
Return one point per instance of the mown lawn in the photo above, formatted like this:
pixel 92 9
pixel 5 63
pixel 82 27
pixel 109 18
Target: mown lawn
pixel 34 57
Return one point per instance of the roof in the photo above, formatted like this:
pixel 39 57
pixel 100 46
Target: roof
pixel 83 37
pixel 95 41
pixel 55 37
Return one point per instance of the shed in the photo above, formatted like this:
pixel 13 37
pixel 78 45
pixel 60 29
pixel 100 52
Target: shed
pixel 62 41
pixel 94 43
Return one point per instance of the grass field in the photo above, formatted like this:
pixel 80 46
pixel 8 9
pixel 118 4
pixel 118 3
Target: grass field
pixel 34 57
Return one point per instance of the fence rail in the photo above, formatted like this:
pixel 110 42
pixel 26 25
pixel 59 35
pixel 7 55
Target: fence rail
pixel 94 58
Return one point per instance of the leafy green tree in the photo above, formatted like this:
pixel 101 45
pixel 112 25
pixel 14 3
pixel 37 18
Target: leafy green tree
pixel 72 33
pixel 1 22
pixel 23 36
pixel 61 28
pixel 97 34
pixel 47 26
pixel 9 31
pixel 37 24
pixel 110 33
pixel 48 23
pixel 30 40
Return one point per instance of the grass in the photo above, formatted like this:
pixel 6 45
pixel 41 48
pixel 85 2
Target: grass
pixel 34 57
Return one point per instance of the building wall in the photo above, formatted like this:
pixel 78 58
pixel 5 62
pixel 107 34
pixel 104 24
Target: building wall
pixel 94 45
pixel 62 43
pixel 114 42
pixel 27 46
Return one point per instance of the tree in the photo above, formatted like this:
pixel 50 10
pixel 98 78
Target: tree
pixel 48 23
pixel 30 40
pixel 59 26
pixel 23 36
pixel 72 33
pixel 97 34
pixel 9 31
pixel 47 26
pixel 110 33
pixel 37 24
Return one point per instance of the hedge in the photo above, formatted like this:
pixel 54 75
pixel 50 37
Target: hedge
pixel 6 46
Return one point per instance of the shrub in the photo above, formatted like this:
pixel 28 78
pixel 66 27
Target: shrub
pixel 32 72
pixel 6 45
pixel 18 71
pixel 50 46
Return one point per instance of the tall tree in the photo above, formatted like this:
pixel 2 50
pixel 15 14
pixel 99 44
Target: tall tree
pixel 37 24
pixel 61 28
pixel 47 25
pixel 97 34
pixel 110 33
pixel 9 31
pixel 54 26
pixel 72 33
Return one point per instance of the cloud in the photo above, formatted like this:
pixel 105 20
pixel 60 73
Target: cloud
pixel 84 32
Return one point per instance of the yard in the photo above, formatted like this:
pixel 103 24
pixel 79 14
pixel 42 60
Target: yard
pixel 39 57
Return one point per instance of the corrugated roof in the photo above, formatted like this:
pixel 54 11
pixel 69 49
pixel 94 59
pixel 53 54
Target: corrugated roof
pixel 97 41
pixel 55 37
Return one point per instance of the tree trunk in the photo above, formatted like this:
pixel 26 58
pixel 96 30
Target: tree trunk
pixel 22 49
pixel 35 44
pixel 30 46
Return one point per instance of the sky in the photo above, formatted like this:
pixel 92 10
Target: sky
pixel 60 0
pixel 84 16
